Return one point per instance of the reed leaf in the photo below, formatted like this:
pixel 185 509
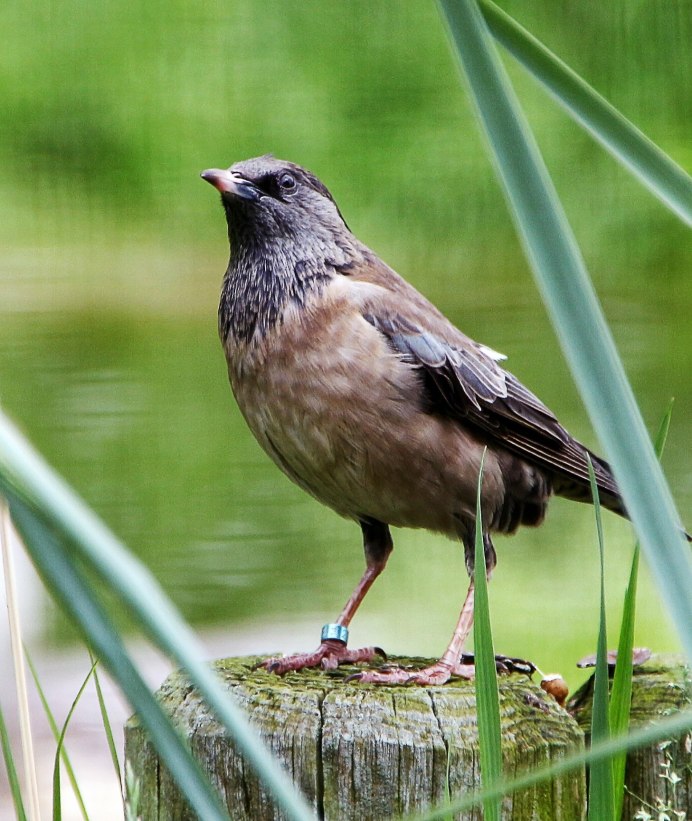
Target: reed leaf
pixel 487 697
pixel 133 794
pixel 601 772
pixel 108 730
pixel 53 724
pixel 621 691
pixel 11 770
pixel 663 177
pixel 71 589
pixel 28 480
pixel 31 795
pixel 60 748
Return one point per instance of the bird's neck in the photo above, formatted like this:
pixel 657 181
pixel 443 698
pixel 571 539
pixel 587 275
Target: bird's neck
pixel 262 282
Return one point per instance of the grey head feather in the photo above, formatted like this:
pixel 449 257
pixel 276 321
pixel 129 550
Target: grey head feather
pixel 286 242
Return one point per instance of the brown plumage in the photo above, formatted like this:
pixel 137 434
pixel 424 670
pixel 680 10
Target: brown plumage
pixel 366 396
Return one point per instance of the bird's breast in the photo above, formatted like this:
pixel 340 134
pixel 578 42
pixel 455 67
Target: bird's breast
pixel 313 387
pixel 343 415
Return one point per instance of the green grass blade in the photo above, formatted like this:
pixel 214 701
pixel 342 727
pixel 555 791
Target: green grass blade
pixel 662 432
pixel 60 750
pixel 601 772
pixel 60 572
pixel 108 730
pixel 575 313
pixel 621 690
pixel 11 770
pixel 52 723
pixel 668 727
pixel 654 169
pixel 487 697
pixel 23 472
pixel 31 795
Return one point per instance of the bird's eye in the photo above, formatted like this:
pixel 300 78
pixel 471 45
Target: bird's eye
pixel 287 181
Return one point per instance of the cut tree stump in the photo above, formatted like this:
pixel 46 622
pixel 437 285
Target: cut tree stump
pixel 358 751
pixel 658 778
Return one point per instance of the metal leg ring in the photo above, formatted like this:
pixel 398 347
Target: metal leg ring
pixel 335 632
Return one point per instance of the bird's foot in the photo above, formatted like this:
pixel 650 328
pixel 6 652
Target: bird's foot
pixel 329 655
pixel 435 674
pixel 505 664
pixel 440 672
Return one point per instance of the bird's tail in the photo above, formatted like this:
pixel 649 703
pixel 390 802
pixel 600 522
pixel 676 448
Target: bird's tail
pixel 608 493
pixel 579 490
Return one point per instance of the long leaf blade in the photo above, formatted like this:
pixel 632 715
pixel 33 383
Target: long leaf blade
pixel 11 770
pixel 601 772
pixel 576 315
pixel 58 569
pixel 487 696
pixel 663 177
pixel 52 723
pixel 24 473
pixel 16 647
pixel 60 752
pixel 106 722
pixel 621 691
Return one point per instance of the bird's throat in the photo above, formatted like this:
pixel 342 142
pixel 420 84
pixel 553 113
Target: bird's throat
pixel 257 290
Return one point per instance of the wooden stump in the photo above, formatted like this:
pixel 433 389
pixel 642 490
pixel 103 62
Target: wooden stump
pixel 658 778
pixel 358 751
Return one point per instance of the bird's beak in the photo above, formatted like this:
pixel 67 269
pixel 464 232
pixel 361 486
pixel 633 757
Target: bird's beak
pixel 231 183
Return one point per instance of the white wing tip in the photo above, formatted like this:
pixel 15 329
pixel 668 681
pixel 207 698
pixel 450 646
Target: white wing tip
pixel 498 357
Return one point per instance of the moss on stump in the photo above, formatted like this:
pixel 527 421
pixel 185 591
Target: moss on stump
pixel 359 751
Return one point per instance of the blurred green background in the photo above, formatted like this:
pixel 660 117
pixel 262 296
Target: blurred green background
pixel 113 252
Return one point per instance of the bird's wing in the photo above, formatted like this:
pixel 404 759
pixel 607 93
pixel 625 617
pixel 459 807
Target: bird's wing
pixel 462 379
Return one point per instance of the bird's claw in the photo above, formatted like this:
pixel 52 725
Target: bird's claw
pixel 329 655
pixel 439 673
pixel 353 677
pixel 432 676
pixel 505 664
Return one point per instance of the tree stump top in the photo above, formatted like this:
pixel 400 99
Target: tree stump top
pixel 660 686
pixel 360 751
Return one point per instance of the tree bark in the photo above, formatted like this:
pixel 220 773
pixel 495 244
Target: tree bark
pixel 362 752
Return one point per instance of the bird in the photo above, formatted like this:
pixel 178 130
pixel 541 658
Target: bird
pixel 368 398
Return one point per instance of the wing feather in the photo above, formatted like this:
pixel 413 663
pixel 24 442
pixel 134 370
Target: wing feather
pixel 464 381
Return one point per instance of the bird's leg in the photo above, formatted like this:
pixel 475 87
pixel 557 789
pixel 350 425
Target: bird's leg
pixel 451 662
pixel 449 665
pixel 333 651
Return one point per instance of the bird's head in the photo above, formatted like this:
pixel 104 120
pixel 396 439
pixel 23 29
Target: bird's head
pixel 269 199
pixel 287 239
